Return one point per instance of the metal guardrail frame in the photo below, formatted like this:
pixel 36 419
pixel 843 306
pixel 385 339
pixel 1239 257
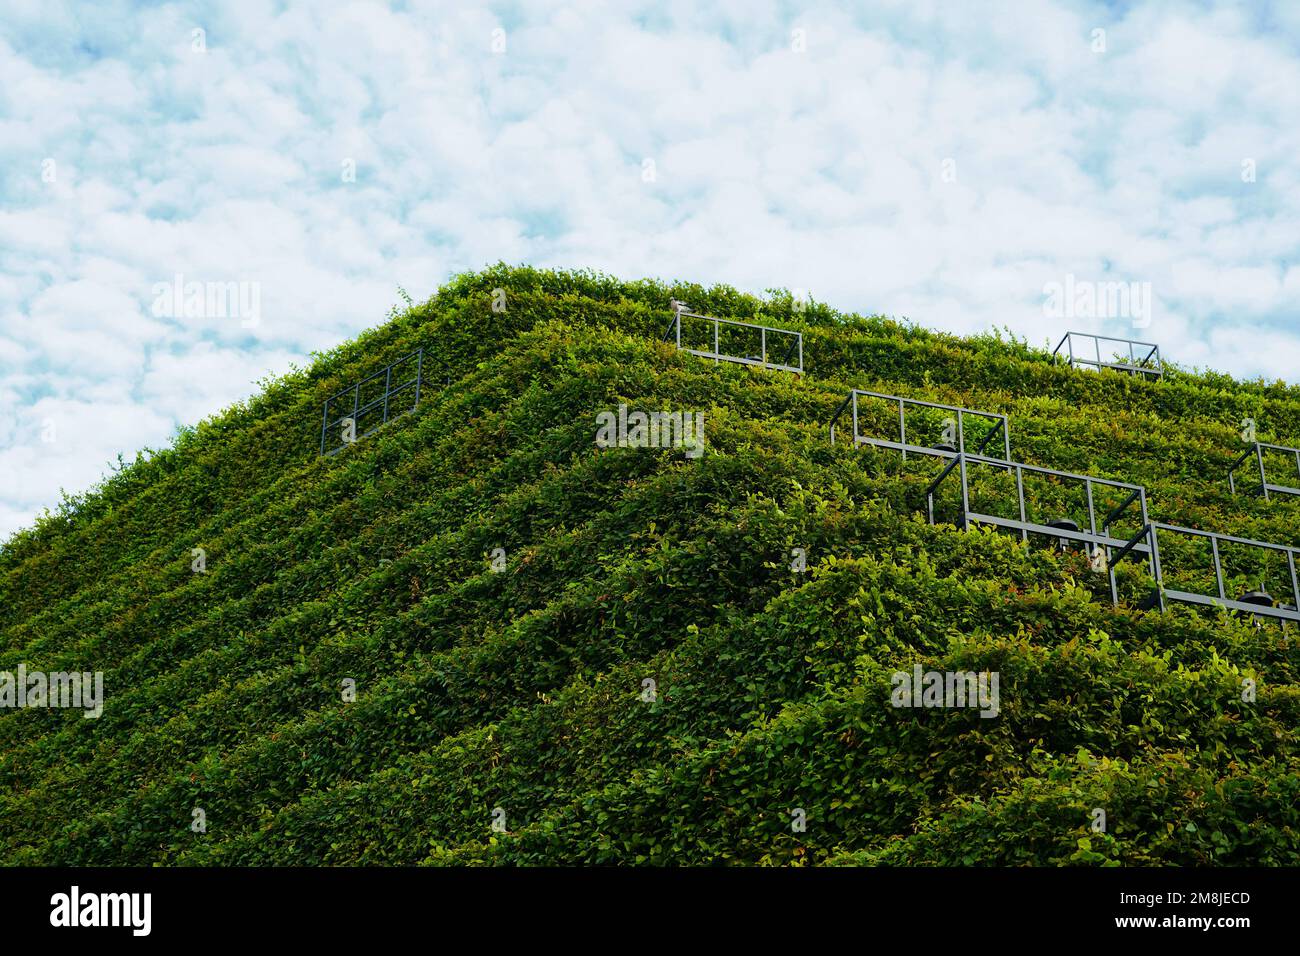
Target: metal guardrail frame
pixel 1145 543
pixel 1134 366
pixel 796 344
pixel 1282 612
pixel 383 401
pixel 1257 449
pixel 903 445
pixel 1093 536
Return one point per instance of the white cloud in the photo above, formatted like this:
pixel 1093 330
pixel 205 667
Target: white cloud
pixel 818 169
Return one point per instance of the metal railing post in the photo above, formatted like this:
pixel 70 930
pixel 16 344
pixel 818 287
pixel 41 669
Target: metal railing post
pixel 1092 514
pixel 1020 497
pixel 1295 584
pixel 965 494
pixel 1218 567
pixel 1263 481
pixel 1155 565
pixel 902 427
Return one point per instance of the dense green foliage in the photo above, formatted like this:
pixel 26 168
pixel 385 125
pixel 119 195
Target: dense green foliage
pixel 524 689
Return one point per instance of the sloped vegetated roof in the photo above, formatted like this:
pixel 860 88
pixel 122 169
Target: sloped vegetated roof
pixel 478 636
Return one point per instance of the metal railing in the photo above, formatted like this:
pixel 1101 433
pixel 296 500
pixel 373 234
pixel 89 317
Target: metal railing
pixel 366 408
pixel 958 444
pixel 1284 612
pixel 1094 536
pixel 1145 543
pixel 792 350
pixel 1257 449
pixel 1148 366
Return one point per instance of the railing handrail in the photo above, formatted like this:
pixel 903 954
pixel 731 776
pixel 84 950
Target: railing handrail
pixel 1230 539
pixel 927 404
pixel 1103 338
pixel 1001 423
pixel 748 325
pixel 362 381
pixel 1144 364
pixel 766 358
pixel 357 410
pixel 1265 444
pixel 1041 470
pixel 373 403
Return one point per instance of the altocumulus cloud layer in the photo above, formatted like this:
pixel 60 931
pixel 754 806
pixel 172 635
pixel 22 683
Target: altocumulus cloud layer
pixel 939 162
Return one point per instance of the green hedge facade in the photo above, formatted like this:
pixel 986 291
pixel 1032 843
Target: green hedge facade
pixel 504 715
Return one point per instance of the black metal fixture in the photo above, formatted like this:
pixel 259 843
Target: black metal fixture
pixel 1064 524
pixel 1261 598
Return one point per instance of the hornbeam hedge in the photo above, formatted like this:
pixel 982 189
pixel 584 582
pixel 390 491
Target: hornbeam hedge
pixel 476 637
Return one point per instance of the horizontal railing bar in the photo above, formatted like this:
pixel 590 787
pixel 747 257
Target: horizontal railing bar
pixel 376 402
pixel 1191 597
pixel 724 357
pixel 925 450
pixel 1107 338
pixel 922 402
pixel 747 325
pixel 1285 489
pixel 371 430
pixel 1231 539
pixel 376 375
pixel 1037 469
pixel 1034 527
pixel 1137 367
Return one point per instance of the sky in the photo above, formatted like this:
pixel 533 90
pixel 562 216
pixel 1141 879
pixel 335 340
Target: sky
pixel 965 166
